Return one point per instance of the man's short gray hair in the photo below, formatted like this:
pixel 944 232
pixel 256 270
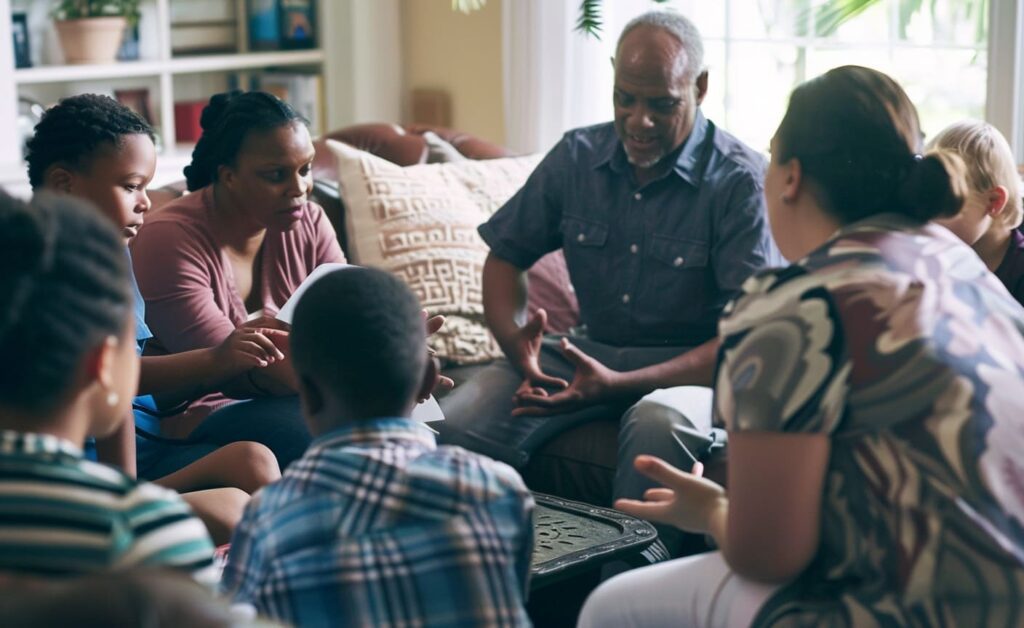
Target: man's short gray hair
pixel 678 26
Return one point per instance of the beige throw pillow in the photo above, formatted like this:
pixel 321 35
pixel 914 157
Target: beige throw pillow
pixel 419 222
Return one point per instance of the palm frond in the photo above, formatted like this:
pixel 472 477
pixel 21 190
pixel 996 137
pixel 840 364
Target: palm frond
pixel 831 15
pixel 907 9
pixel 589 22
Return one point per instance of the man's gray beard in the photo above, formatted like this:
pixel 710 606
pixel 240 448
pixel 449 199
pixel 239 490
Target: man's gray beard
pixel 643 165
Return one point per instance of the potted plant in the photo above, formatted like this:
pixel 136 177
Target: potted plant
pixel 91 30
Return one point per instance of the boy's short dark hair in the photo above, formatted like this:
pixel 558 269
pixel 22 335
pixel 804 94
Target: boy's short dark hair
pixel 70 132
pixel 359 333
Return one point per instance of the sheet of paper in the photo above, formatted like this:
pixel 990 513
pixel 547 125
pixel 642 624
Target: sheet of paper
pixel 426 412
pixel 287 311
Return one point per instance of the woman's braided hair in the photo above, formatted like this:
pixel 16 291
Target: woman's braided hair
pixel 226 121
pixel 64 289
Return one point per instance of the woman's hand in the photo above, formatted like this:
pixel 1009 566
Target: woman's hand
pixel 687 501
pixel 248 348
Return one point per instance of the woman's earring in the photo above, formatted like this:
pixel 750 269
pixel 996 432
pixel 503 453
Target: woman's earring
pixel 113 399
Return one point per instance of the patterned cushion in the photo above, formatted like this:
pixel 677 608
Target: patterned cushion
pixel 420 222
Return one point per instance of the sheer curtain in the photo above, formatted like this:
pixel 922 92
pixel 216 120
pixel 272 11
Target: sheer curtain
pixel 557 79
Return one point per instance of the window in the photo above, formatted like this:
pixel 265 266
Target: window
pixel 955 58
pixel 758 50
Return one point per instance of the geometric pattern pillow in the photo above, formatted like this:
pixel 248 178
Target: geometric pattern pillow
pixel 419 223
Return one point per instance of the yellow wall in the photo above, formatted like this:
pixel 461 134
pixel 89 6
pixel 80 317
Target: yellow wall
pixel 461 54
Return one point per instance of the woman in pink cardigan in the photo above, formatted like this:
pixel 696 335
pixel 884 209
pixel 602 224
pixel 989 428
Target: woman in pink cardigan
pixel 229 255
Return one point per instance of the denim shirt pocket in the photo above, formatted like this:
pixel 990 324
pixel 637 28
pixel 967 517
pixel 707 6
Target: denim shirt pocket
pixel 586 254
pixel 679 254
pixel 584 233
pixel 679 279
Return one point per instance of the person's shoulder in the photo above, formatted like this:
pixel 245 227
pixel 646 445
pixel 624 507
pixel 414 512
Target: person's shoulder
pixel 183 220
pixel 485 478
pixel 147 495
pixel 589 144
pixel 94 475
pixel 731 159
pixel 133 498
pixel 187 208
pixel 314 219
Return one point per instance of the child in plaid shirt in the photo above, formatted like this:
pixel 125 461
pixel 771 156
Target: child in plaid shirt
pixel 376 524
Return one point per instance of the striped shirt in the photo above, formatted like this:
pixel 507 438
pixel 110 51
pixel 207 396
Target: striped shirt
pixel 61 514
pixel 378 526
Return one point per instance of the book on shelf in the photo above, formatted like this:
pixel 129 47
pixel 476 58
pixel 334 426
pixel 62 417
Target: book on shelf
pixel 203 26
pixel 281 24
pixel 303 91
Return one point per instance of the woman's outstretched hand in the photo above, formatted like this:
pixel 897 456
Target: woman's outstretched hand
pixel 685 500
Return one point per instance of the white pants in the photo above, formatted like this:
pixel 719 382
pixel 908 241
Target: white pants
pixel 687 592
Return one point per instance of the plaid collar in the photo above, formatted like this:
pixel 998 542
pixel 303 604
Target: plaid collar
pixel 376 431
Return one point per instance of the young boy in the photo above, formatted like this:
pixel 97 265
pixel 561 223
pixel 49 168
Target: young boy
pixel 376 525
pixel 990 217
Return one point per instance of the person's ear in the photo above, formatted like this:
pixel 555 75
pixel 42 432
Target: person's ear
pixel 701 85
pixel 100 362
pixel 793 179
pixel 60 179
pixel 312 397
pixel 431 375
pixel 995 200
pixel 100 368
pixel 226 175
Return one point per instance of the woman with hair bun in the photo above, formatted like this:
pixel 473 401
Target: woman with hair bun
pixel 872 395
pixel 229 255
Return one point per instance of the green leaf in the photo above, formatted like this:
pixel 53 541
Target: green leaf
pixel 589 22
pixel 833 14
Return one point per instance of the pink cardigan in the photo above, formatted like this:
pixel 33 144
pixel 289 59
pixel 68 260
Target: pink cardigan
pixel 188 284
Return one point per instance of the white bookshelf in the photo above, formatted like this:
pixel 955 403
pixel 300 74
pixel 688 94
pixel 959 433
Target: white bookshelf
pixel 181 65
pixel 169 78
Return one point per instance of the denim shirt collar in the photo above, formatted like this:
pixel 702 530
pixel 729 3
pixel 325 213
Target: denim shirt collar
pixel 688 165
pixel 368 432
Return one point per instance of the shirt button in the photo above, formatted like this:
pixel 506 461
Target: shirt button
pixel 581 238
pixel 625 298
pixel 633 248
pixel 677 261
pixel 638 196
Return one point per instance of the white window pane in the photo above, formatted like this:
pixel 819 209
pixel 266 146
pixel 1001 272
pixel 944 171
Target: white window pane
pixel 709 17
pixel 945 85
pixel 768 19
pixel 714 102
pixel 947 22
pixel 761 76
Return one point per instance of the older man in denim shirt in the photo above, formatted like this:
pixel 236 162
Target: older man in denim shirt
pixel 661 217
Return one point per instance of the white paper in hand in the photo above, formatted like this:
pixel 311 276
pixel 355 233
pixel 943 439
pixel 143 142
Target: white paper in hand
pixel 426 412
pixel 287 311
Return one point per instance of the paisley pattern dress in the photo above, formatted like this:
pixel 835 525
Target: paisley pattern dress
pixel 896 342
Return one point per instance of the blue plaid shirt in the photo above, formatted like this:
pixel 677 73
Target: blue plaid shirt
pixel 378 526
